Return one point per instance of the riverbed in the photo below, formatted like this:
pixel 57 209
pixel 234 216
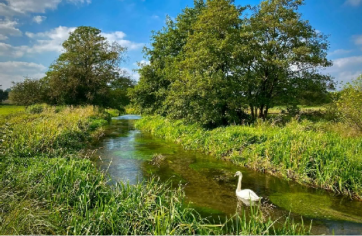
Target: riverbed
pixel 130 155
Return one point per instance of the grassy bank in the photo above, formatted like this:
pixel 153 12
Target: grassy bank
pixel 303 151
pixel 48 187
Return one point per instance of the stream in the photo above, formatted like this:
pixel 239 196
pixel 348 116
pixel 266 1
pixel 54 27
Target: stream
pixel 209 184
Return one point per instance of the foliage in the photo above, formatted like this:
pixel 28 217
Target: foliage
pixel 29 92
pixel 207 89
pixel 212 63
pixel 167 49
pixel 284 55
pixel 301 150
pixel 4 95
pixel 349 103
pixel 87 72
pixel 84 72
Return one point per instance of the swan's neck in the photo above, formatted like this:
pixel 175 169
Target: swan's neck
pixel 239 184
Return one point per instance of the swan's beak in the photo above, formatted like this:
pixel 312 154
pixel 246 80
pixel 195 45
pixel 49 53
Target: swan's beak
pixel 235 175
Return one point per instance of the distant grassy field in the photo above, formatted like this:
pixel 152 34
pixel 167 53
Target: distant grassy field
pixel 9 109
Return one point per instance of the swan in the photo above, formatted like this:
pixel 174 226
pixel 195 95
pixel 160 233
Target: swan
pixel 245 195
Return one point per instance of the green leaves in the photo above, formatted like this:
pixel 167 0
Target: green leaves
pixel 88 71
pixel 211 64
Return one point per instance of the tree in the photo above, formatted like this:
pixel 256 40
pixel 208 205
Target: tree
pixel 206 89
pixel 86 71
pixel 28 92
pixel 284 56
pixel 3 95
pixel 212 64
pixel 149 94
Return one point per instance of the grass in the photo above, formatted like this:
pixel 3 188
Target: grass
pixel 47 186
pixel 303 151
pixel 9 109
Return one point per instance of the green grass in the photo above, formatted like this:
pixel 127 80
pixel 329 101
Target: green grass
pixel 48 187
pixel 9 109
pixel 303 151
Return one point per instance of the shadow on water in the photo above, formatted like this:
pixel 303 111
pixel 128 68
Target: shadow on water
pixel 126 154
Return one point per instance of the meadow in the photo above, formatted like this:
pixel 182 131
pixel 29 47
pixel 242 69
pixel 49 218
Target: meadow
pixel 311 153
pixel 10 109
pixel 49 186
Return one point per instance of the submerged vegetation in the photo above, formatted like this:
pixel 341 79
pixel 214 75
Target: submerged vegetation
pixel 303 151
pixel 48 186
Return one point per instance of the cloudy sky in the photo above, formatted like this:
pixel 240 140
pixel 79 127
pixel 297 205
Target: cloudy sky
pixel 32 31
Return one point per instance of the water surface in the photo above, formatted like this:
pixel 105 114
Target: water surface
pixel 126 154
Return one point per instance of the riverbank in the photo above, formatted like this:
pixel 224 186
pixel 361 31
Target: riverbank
pixel 49 186
pixel 299 150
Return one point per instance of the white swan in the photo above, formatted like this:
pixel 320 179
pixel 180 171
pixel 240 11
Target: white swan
pixel 245 195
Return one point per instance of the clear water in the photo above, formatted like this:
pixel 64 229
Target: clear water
pixel 126 154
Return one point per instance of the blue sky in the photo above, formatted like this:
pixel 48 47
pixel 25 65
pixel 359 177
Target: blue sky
pixel 32 31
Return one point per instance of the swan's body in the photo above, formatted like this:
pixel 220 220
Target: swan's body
pixel 245 195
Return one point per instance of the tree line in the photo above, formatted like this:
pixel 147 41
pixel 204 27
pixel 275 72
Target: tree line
pixel 87 72
pixel 216 61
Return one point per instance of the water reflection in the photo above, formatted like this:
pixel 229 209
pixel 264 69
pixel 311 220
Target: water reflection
pixel 210 184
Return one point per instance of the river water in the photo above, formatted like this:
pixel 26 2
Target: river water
pixel 127 155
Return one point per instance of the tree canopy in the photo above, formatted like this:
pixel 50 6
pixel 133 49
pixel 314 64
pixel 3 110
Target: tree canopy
pixel 87 72
pixel 213 63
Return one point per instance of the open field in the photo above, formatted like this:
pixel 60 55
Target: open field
pixel 9 109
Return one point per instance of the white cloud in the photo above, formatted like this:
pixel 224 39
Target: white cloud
pixel 339 52
pixel 49 41
pixel 16 71
pixel 39 19
pixel 353 2
pixel 133 74
pixel 346 69
pixel 52 40
pixel 7 27
pixel 357 39
pixel 11 51
pixel 118 37
pixel 6 10
pixel 16 7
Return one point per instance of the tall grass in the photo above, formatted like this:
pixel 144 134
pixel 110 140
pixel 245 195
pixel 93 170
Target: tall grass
pixel 46 187
pixel 300 150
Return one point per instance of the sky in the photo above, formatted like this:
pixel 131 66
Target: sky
pixel 32 31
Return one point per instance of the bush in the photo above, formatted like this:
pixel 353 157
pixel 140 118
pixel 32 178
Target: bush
pixel 35 109
pixel 349 104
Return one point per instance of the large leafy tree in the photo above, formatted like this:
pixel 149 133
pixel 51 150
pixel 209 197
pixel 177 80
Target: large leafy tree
pixel 87 70
pixel 206 89
pixel 167 50
pixel 212 64
pixel 285 54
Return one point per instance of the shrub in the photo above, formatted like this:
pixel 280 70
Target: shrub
pixel 349 104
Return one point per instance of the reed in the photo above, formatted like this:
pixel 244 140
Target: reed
pixel 303 151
